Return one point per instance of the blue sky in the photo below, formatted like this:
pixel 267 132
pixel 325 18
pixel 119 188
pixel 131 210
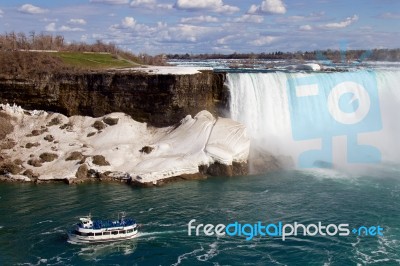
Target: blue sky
pixel 208 26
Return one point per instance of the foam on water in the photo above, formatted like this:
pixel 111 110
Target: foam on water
pixel 184 256
pixel 46 221
pixel 211 253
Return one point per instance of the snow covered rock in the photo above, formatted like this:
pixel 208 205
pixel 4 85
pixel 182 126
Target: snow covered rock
pixel 124 149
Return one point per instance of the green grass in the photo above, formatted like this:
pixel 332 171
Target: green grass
pixel 94 60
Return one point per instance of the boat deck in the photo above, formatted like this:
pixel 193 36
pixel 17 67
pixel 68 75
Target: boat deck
pixel 100 224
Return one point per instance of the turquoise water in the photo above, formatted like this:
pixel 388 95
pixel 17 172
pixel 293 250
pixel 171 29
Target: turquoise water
pixel 34 220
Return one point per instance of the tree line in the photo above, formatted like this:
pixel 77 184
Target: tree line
pixel 17 56
pixel 336 56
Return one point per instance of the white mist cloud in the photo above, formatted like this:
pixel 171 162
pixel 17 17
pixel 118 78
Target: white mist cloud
pixel 150 4
pixel 110 2
pixel 77 21
pixel 268 7
pixel 211 5
pixel 199 19
pixel 249 18
pixel 305 28
pixel 264 40
pixel 52 27
pixel 128 22
pixel 343 24
pixel 189 33
pixel 31 9
pixel 67 28
pixel 389 15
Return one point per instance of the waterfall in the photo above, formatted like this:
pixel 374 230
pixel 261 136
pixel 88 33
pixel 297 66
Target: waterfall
pixel 337 118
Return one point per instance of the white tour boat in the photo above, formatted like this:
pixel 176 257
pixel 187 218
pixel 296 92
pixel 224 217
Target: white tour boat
pixel 100 231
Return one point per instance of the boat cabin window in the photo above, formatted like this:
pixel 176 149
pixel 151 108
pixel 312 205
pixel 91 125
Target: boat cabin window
pixel 98 234
pixel 106 233
pixel 81 233
pixel 122 232
pixel 114 232
pixel 90 234
pixel 129 231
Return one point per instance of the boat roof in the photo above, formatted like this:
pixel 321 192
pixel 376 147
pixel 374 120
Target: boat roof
pixel 85 219
pixel 101 224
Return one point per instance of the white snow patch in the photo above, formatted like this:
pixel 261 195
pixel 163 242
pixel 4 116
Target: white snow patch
pixel 197 141
pixel 305 67
pixel 228 142
pixel 169 70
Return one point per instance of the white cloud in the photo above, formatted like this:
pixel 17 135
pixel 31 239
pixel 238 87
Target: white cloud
pixel 150 4
pixel 268 7
pixel 315 16
pixel 253 9
pixel 128 22
pixel 110 2
pixel 167 36
pixel 49 19
pixel 227 39
pixel 211 5
pixel 31 9
pixel 66 28
pixel 84 37
pixel 223 49
pixel 188 33
pixel 343 24
pixel 389 15
pixel 305 27
pixel 77 21
pixel 52 27
pixel 133 31
pixel 249 18
pixel 263 40
pixel 199 19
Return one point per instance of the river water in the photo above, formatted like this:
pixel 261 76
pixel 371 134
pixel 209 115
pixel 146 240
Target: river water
pixel 34 220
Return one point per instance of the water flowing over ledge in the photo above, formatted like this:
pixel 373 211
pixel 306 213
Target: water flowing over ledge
pixel 282 120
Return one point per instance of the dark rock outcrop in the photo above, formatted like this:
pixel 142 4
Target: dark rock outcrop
pixel 82 171
pixel 162 182
pixel 218 169
pixel 76 155
pixel 48 157
pixel 6 126
pixel 100 160
pixel 160 100
pixel 110 121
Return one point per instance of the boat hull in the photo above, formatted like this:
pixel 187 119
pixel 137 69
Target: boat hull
pixel 73 238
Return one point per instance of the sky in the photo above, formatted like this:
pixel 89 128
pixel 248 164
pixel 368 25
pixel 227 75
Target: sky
pixel 211 26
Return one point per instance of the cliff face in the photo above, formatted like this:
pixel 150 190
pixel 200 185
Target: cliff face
pixel 160 100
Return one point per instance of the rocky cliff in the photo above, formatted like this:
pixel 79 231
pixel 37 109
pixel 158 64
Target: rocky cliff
pixel 160 100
